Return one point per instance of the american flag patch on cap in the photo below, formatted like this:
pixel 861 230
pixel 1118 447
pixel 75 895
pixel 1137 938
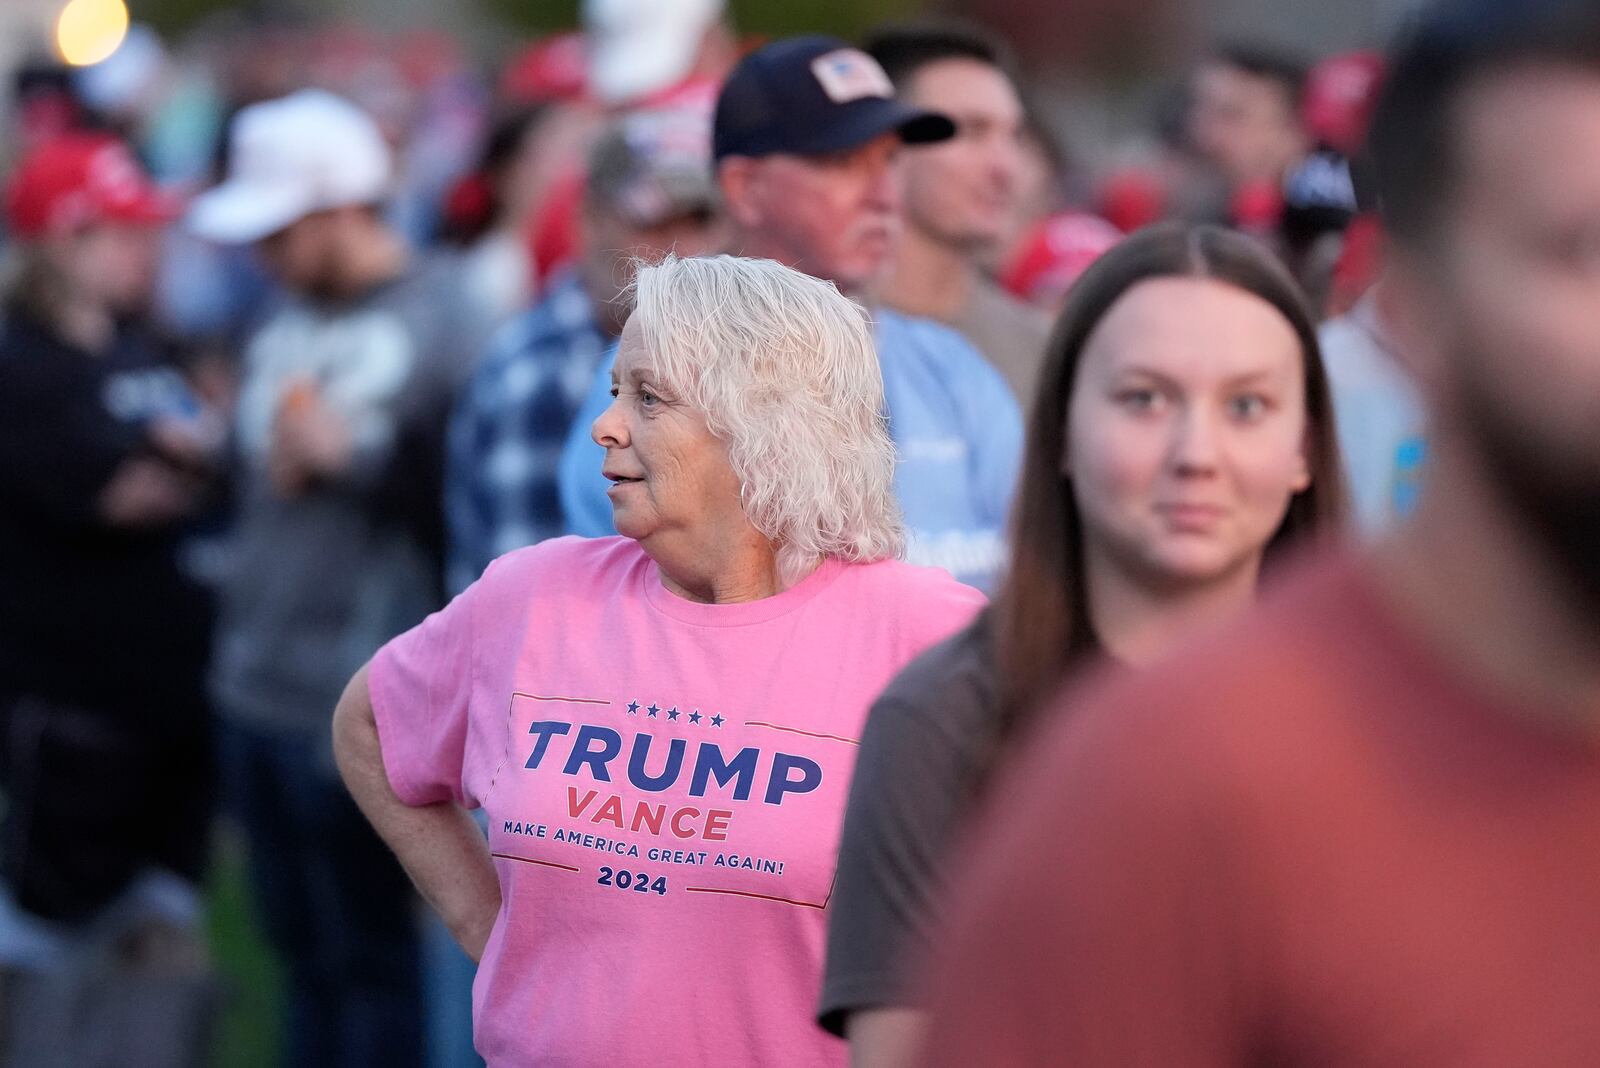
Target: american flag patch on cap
pixel 849 74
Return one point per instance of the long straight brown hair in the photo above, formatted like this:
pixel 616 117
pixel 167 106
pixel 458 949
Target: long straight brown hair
pixel 1039 619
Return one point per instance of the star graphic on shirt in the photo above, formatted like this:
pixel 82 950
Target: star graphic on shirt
pixel 633 708
pixel 716 720
pixel 672 713
pixel 651 711
pixel 694 717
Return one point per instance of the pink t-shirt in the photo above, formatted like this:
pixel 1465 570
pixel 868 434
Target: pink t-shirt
pixel 664 782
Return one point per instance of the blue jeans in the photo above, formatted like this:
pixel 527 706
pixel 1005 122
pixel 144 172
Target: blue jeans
pixel 335 905
pixel 447 975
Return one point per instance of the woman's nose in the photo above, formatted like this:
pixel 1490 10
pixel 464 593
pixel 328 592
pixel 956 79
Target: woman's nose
pixel 1195 445
pixel 610 429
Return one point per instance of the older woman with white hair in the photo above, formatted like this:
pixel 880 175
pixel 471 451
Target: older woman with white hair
pixel 662 726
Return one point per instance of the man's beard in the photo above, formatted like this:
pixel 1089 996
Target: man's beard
pixel 1556 500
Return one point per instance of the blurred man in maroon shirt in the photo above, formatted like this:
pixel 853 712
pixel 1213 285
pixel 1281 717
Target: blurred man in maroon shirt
pixel 1360 829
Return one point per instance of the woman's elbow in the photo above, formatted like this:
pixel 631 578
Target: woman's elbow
pixel 355 730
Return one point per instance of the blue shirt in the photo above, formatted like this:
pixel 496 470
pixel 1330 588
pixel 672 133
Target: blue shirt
pixel 1379 417
pixel 509 428
pixel 955 425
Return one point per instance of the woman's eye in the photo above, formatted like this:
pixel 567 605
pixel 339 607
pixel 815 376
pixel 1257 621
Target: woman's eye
pixel 614 392
pixel 648 399
pixel 1139 400
pixel 1247 406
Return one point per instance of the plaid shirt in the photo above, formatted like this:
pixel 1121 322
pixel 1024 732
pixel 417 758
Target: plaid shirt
pixel 506 438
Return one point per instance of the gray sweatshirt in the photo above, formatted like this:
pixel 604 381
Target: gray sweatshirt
pixel 316 582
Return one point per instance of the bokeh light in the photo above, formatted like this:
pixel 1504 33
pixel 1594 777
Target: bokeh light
pixel 88 31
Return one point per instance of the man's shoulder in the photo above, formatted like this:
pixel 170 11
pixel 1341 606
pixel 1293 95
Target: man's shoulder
pixel 940 349
pixel 427 299
pixel 895 328
pixel 1005 311
pixel 430 283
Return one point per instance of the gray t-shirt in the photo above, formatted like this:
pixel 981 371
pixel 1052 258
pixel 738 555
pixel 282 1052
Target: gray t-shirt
pixel 926 750
pixel 316 582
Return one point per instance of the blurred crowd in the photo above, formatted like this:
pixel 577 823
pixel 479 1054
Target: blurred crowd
pixel 305 324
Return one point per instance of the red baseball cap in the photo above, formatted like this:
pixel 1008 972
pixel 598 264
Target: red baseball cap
pixel 1056 252
pixel 553 69
pixel 81 178
pixel 1133 198
pixel 1340 94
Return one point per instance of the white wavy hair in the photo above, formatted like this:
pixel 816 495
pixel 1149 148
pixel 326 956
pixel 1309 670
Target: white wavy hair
pixel 784 369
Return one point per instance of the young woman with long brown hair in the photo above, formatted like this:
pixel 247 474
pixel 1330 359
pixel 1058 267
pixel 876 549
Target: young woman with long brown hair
pixel 1181 443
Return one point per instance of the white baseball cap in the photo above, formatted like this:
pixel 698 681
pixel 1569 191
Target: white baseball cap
pixel 640 47
pixel 289 157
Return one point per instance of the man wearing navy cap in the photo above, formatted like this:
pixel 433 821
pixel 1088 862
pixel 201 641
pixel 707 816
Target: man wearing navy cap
pixel 805 140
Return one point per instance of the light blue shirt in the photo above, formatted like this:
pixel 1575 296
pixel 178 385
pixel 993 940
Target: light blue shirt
pixel 1379 415
pixel 955 425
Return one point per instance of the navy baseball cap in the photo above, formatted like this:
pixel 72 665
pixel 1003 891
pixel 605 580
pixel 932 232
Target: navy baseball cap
pixel 813 95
